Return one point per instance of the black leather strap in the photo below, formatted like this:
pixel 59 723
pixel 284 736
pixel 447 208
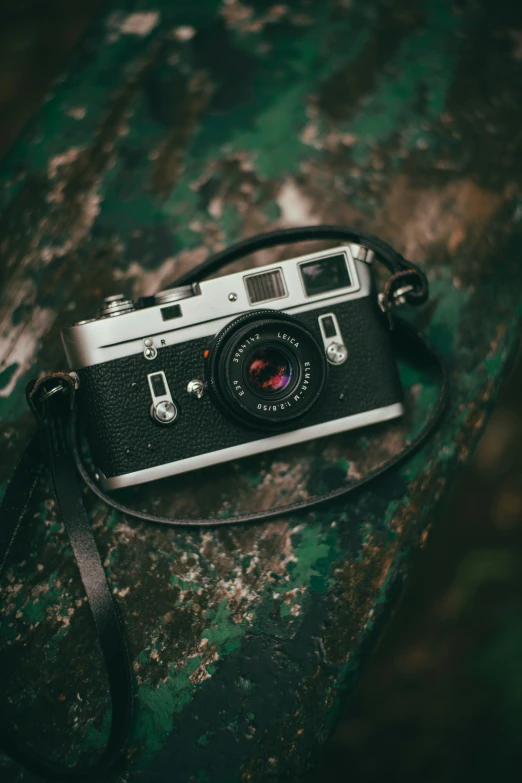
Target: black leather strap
pixel 56 443
pixel 50 447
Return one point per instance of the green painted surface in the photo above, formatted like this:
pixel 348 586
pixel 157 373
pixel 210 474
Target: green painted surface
pixel 158 148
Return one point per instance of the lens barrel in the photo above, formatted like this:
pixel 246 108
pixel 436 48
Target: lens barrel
pixel 266 369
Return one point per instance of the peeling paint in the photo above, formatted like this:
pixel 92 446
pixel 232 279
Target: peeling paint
pixel 296 208
pixel 243 639
pixel 140 24
pixel 78 112
pixel 184 33
pixel 18 350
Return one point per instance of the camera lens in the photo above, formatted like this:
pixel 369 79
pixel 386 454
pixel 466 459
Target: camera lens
pixel 269 371
pixel 266 369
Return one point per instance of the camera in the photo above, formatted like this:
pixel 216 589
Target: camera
pixel 233 366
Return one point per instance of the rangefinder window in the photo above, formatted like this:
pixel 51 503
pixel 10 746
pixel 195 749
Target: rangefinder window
pixel 325 274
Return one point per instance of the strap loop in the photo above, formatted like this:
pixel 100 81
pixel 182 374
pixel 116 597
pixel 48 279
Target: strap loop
pixel 40 391
pixel 400 286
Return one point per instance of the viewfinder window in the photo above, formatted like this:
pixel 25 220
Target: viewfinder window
pixel 325 274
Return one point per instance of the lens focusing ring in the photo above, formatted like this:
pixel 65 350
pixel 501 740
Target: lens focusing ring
pixel 275 401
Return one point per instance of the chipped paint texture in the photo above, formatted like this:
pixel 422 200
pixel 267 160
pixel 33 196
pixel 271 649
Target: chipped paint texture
pixel 140 24
pixel 183 129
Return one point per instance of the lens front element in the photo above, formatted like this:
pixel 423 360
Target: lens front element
pixel 269 371
pixel 266 369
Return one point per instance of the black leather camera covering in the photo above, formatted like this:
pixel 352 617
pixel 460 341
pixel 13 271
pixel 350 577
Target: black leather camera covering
pixel 115 398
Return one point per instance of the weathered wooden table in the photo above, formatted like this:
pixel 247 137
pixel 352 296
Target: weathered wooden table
pixel 178 129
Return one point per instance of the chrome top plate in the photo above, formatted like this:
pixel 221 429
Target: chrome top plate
pixel 206 313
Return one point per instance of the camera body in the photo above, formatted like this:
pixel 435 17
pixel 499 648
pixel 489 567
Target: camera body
pixel 233 366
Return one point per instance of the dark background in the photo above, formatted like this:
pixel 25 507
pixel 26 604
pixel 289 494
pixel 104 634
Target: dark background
pixel 442 699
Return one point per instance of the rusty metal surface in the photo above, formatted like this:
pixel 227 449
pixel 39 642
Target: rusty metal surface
pixel 177 130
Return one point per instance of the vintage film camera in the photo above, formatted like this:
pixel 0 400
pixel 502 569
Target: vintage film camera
pixel 233 366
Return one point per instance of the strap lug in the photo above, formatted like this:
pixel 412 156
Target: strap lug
pixel 363 254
